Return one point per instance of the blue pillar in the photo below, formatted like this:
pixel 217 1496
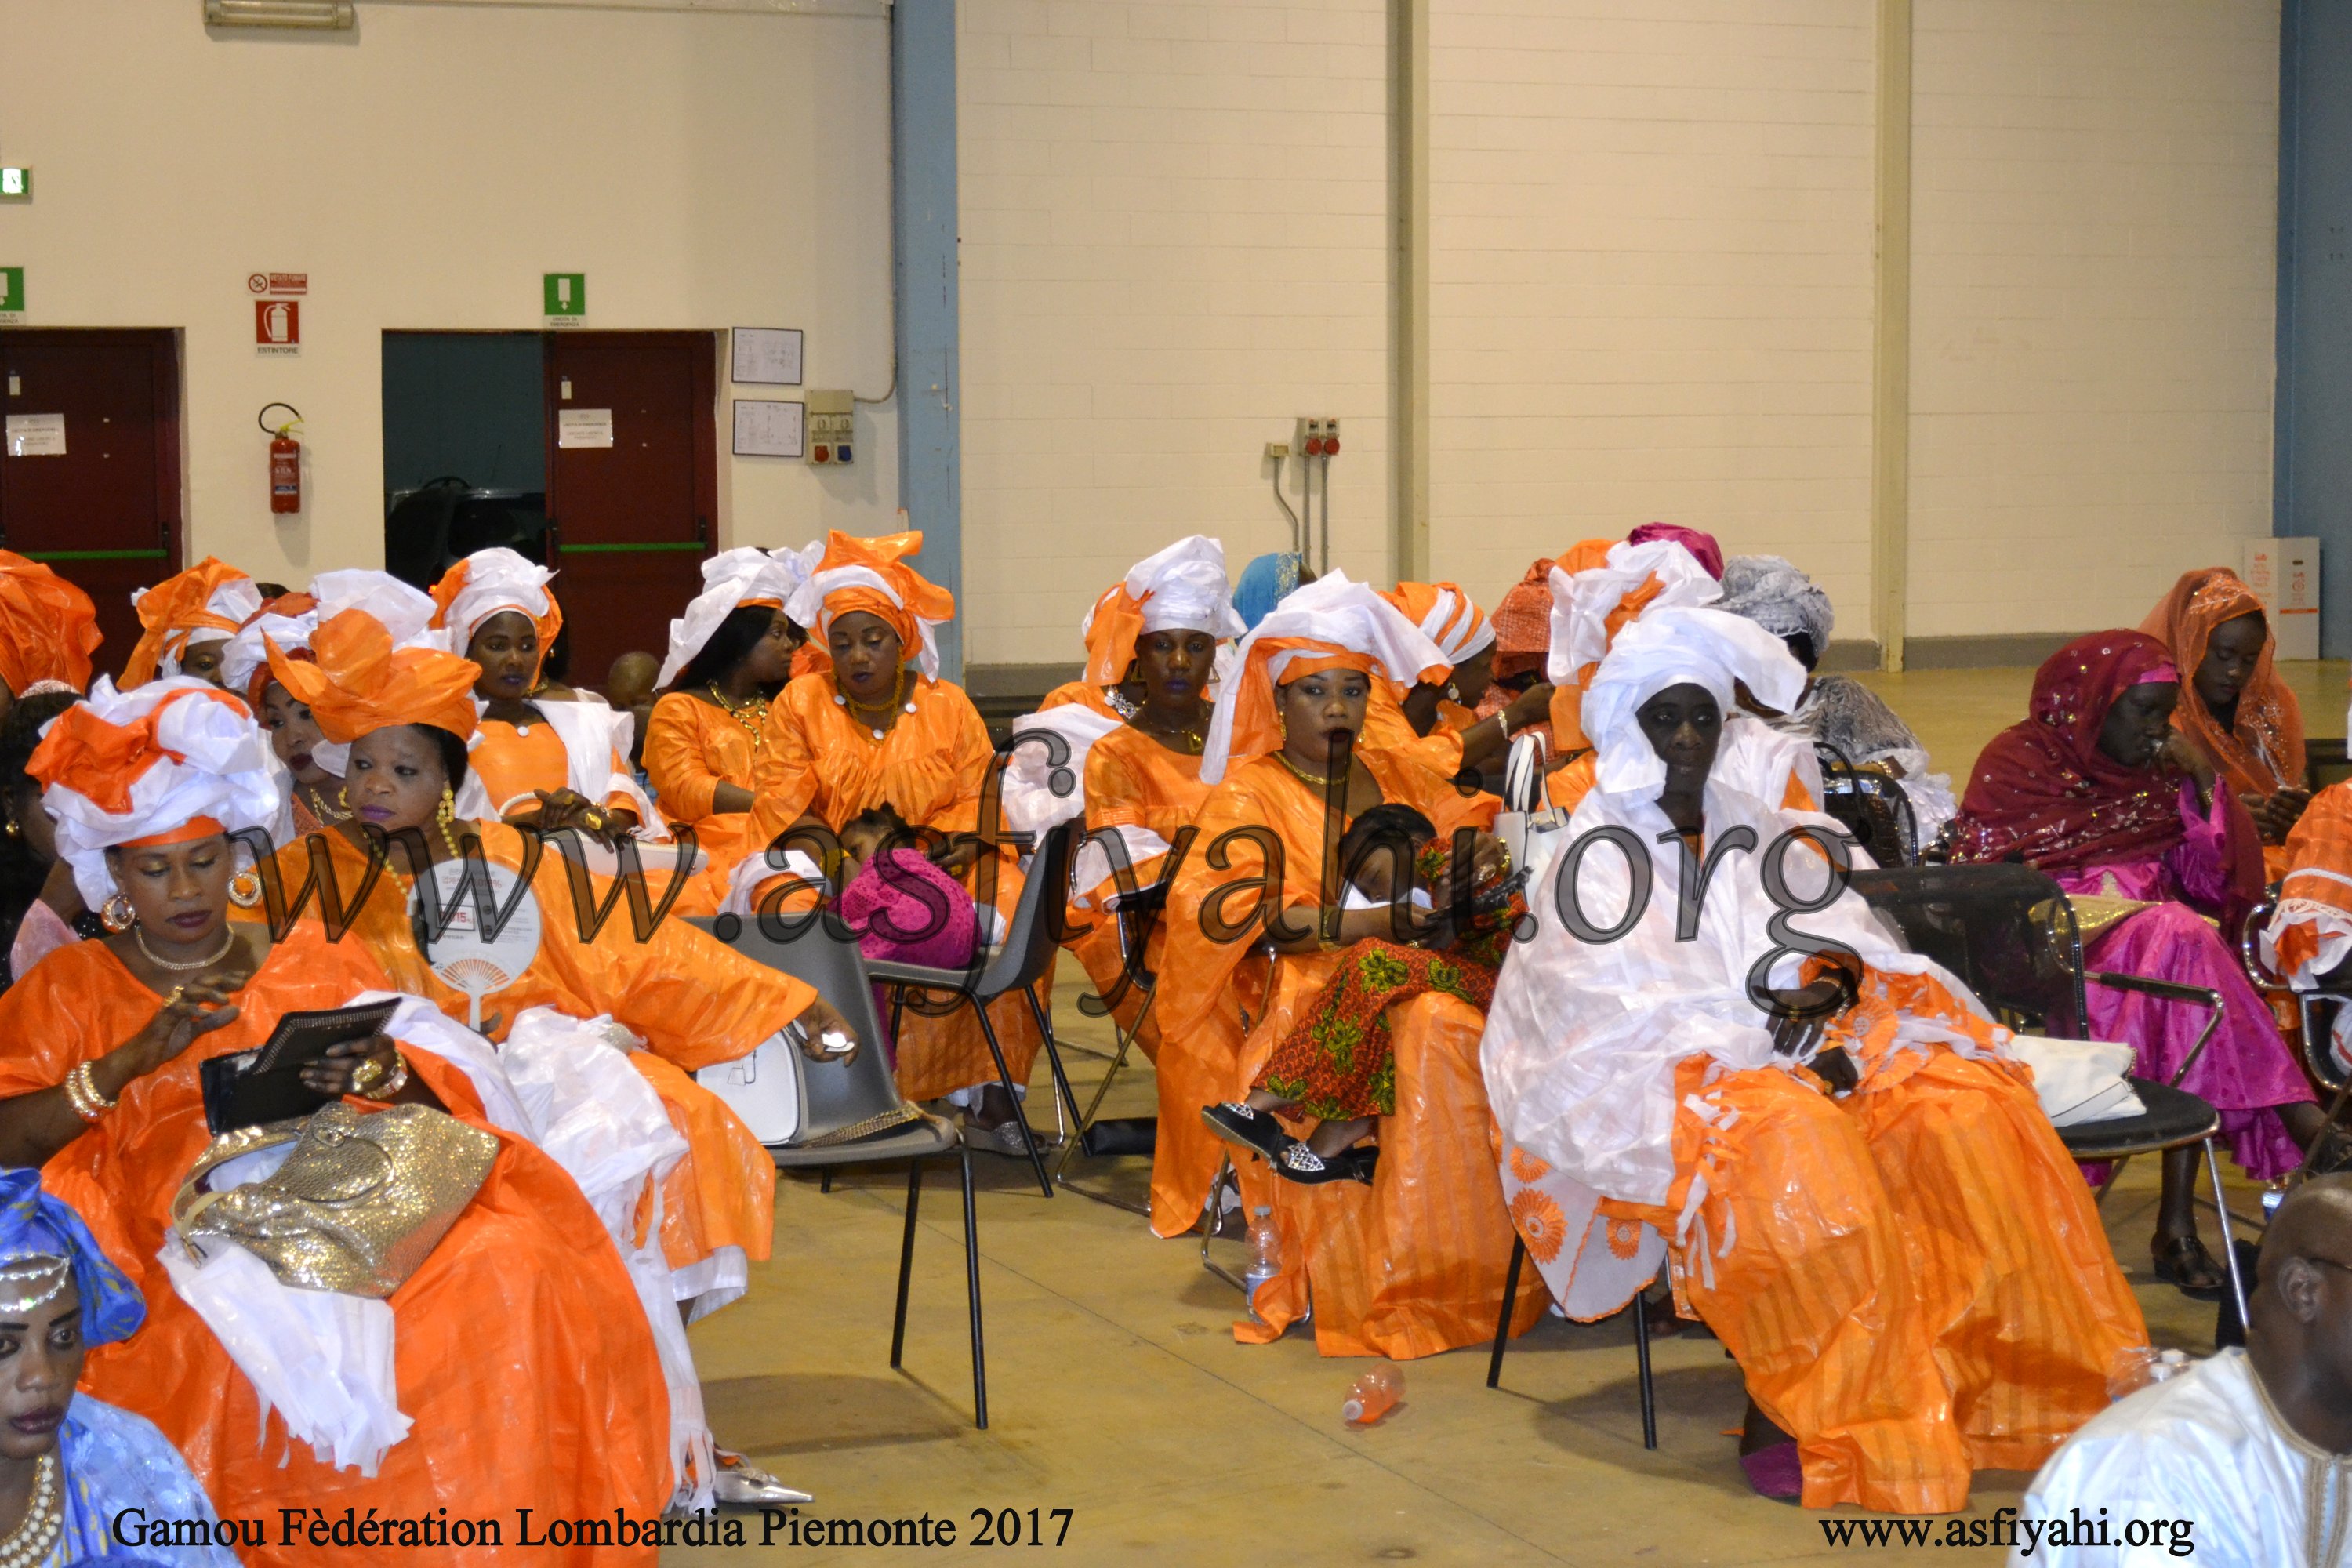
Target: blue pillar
pixel 923 210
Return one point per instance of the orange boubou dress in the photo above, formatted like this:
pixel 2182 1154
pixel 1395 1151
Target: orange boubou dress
pixel 1132 782
pixel 515 762
pixel 815 760
pixel 693 1001
pixel 520 1349
pixel 1413 1264
pixel 691 748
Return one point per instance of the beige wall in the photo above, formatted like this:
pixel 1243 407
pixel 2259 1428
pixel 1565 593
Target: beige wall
pixel 2094 210
pixel 1173 246
pixel 704 171
pixel 1650 282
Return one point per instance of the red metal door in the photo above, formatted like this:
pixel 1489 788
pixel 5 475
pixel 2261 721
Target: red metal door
pixel 634 519
pixel 106 514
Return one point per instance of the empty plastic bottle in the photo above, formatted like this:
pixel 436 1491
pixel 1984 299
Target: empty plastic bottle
pixel 1265 1255
pixel 1374 1395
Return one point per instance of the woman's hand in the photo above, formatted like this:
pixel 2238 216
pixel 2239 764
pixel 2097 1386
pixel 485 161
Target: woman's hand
pixel 2277 815
pixel 1487 860
pixel 563 808
pixel 2185 754
pixel 821 1018
pixel 1837 1069
pixel 1803 1013
pixel 190 1011
pixel 338 1073
pixel 1532 706
pixel 957 856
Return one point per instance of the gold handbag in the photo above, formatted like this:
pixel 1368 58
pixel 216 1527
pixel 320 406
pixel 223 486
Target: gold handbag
pixel 359 1203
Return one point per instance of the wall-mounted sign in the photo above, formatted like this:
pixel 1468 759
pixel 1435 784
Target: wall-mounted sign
pixel 563 299
pixel 584 426
pixel 766 356
pixel 278 326
pixel 12 296
pixel 36 434
pixel 280 283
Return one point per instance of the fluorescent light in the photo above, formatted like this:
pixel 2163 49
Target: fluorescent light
pixel 334 13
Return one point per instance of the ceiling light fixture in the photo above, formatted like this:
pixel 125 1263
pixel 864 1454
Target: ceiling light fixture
pixel 326 14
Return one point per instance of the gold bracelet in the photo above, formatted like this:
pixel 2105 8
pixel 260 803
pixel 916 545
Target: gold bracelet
pixel 82 1091
pixel 398 1080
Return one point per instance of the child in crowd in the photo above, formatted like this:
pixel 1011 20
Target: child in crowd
pixel 902 906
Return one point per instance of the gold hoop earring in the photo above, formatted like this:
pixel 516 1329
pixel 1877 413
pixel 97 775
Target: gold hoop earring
pixel 245 889
pixel 116 914
pixel 13 830
pixel 445 815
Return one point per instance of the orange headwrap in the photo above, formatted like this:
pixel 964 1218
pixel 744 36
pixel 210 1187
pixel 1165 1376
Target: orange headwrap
pixel 174 610
pixel 1460 627
pixel 49 627
pixel 2261 752
pixel 901 597
pixel 359 683
pixel 1257 724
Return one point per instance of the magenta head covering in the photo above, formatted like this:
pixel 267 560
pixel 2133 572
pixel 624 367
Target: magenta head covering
pixel 1702 546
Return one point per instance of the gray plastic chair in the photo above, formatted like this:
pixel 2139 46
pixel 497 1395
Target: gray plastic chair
pixel 836 1096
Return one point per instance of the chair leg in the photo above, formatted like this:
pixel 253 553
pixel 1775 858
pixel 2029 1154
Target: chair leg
pixel 1212 1225
pixel 1053 1056
pixel 1642 1356
pixel 2114 1170
pixel 1126 1039
pixel 906 1258
pixel 2229 1238
pixel 824 1179
pixel 971 1286
pixel 1510 1299
pixel 1019 1117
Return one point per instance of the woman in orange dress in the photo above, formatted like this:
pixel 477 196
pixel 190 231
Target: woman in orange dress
pixel 1854 1184
pixel 537 758
pixel 694 1002
pixel 729 654
pixel 188 620
pixel 1443 713
pixel 564 1409
pixel 871 730
pixel 48 629
pixel 1411 1262
pixel 2232 702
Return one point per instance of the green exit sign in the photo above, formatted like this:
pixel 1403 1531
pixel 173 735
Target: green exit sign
pixel 564 296
pixel 11 292
pixel 16 184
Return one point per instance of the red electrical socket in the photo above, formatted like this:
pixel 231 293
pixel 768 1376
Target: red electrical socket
pixel 1319 437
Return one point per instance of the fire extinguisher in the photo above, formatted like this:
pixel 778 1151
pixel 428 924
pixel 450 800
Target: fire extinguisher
pixel 284 459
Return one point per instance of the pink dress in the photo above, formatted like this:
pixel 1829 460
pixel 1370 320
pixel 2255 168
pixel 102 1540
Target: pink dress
pixel 2247 1068
pixel 910 911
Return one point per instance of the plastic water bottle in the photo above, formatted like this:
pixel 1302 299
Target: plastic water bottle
pixel 1374 1395
pixel 1265 1255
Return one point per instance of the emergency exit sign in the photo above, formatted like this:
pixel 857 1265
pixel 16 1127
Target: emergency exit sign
pixel 564 296
pixel 12 296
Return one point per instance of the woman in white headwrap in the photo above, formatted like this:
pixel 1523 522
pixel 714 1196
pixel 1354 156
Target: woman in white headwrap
pixel 518 1342
pixel 314 765
pixel 554 763
pixel 188 619
pixel 1857 1189
pixel 729 656
pixel 1836 711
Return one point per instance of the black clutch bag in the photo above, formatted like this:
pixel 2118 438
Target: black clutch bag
pixel 263 1085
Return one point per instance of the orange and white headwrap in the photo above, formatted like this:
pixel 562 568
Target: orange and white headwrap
pixel 871 576
pixel 1446 617
pixel 1181 588
pixel 49 627
pixel 1331 623
pixel 730 580
pixel 206 602
pixel 357 681
pixel 290 623
pixel 173 760
pixel 1592 601
pixel 487 583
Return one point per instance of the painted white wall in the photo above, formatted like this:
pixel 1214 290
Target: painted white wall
pixel 705 171
pixel 1651 291
pixel 1174 231
pixel 2093 273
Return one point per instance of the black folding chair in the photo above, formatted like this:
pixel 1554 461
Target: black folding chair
pixel 1639 1308
pixel 1870 804
pixel 1018 962
pixel 1137 915
pixel 832 963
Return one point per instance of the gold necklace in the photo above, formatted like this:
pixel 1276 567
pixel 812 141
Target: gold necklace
pixel 898 700
pixel 30 1542
pixel 321 809
pixel 752 715
pixel 228 939
pixel 1193 740
pixel 1301 774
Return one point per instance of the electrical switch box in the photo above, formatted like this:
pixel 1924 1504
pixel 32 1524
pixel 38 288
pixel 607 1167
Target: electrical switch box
pixel 1319 437
pixel 831 427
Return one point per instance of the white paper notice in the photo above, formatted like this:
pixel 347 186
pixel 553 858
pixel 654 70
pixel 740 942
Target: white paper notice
pixel 768 356
pixel 37 434
pixel 767 429
pixel 584 426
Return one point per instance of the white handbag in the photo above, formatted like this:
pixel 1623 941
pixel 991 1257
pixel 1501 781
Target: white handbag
pixel 2080 1080
pixel 1529 828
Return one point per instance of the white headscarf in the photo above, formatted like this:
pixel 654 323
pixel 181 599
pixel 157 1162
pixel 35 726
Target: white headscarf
pixel 1581 602
pixel 495 580
pixel 730 579
pixel 207 758
pixel 1671 647
pixel 1333 611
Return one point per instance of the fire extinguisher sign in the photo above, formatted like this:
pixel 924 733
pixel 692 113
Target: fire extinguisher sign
pixel 278 326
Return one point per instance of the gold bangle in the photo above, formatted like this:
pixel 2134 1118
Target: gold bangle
pixel 398 1079
pixel 366 1076
pixel 83 1093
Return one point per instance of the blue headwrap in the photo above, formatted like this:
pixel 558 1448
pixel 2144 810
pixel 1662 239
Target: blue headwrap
pixel 1265 583
pixel 34 1224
